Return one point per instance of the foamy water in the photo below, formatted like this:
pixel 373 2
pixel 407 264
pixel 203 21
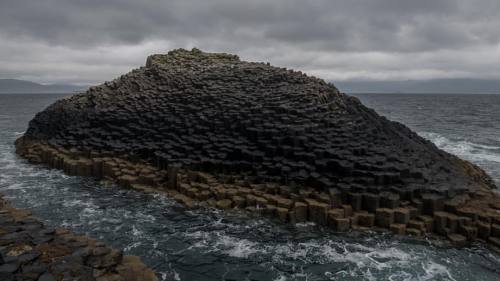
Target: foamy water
pixel 468 150
pixel 211 245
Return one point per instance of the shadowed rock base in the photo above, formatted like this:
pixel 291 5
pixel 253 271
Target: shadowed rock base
pixel 461 219
pixel 31 251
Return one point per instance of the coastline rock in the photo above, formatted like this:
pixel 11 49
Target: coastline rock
pixel 31 251
pixel 210 129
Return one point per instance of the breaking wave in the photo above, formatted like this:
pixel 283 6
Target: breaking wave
pixel 471 151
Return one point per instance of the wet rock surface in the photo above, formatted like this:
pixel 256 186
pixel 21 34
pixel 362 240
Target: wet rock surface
pixel 31 251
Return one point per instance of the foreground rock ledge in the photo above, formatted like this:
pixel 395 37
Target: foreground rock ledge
pixel 209 129
pixel 31 251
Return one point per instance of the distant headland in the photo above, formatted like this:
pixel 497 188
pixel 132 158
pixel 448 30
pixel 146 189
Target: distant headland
pixel 15 86
pixel 432 86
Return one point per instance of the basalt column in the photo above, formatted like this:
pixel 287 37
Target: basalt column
pixel 218 129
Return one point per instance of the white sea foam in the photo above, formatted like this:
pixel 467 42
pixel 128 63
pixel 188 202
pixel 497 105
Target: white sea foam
pixel 220 242
pixel 132 246
pixel 79 203
pixel 15 186
pixel 433 270
pixel 176 276
pixel 466 149
pixel 239 248
pixel 305 224
pixel 139 216
pixel 136 232
pixel 400 276
pixel 365 261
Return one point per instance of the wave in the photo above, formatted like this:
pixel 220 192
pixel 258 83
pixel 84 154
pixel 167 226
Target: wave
pixel 469 150
pixel 352 259
pixel 433 269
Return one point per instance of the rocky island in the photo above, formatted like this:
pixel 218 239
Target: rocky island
pixel 211 130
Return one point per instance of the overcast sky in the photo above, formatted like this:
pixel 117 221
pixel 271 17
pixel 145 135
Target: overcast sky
pixel 90 41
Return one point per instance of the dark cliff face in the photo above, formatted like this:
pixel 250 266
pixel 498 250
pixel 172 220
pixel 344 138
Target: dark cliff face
pixel 215 113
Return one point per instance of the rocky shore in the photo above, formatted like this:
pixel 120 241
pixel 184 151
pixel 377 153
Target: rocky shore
pixel 461 219
pixel 31 251
pixel 211 130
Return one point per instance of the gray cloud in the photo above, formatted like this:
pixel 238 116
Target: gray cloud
pixel 88 41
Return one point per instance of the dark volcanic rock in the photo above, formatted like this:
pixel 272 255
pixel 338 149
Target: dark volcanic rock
pixel 215 113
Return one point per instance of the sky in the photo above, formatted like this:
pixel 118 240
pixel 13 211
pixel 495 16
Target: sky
pixel 91 41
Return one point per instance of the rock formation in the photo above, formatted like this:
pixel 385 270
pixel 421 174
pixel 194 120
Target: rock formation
pixel 210 127
pixel 31 251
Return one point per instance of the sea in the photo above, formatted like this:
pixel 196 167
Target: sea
pixel 206 244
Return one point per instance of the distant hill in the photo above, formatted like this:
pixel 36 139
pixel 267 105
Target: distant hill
pixel 14 86
pixel 462 86
pixel 452 86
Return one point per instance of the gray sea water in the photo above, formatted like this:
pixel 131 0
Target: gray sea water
pixel 209 245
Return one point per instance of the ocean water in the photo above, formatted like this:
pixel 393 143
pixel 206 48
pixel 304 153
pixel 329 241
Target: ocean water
pixel 207 244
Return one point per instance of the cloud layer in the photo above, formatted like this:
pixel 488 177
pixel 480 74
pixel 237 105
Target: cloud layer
pixel 89 41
